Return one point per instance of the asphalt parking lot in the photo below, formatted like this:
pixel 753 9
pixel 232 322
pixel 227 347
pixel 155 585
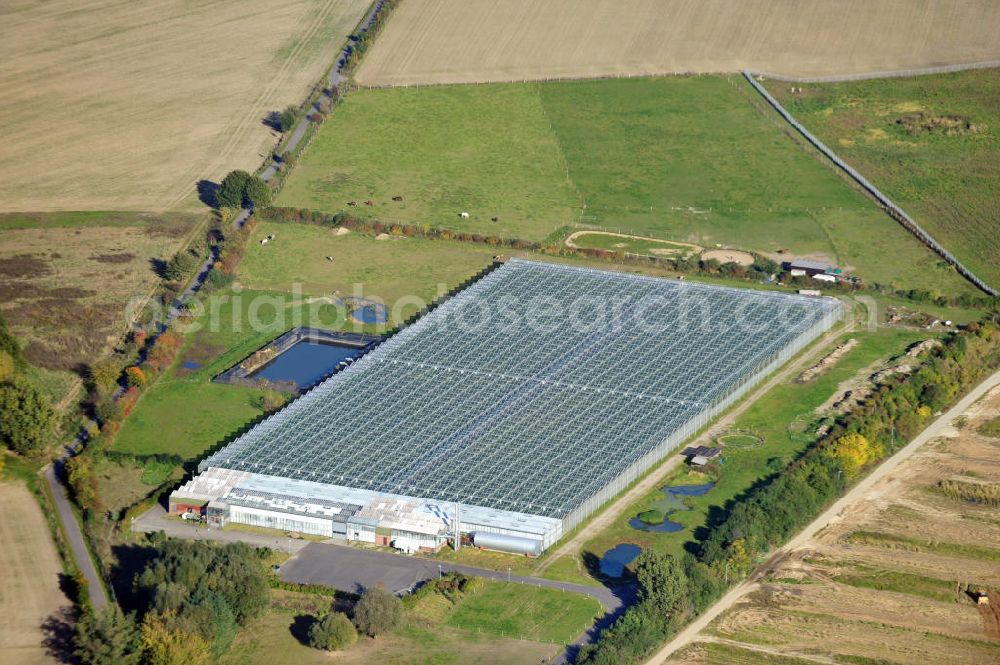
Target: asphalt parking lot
pixel 353 570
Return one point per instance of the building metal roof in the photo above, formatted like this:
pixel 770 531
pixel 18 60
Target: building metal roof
pixel 526 393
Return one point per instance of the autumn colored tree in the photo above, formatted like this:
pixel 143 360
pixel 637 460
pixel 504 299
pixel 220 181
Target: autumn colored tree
pixel 135 377
pixel 164 644
pixel 852 452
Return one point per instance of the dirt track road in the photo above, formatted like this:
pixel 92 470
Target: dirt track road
pixel 868 489
pixel 645 485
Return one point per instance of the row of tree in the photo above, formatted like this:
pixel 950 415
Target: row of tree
pixel 762 267
pixel 773 510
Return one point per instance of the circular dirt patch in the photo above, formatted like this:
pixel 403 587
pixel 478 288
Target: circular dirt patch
pixel 728 256
pixel 740 440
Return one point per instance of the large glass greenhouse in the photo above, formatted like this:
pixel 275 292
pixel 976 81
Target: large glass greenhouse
pixel 528 399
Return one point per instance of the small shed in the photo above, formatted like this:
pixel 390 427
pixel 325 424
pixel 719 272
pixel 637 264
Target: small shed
pixel 806 267
pixel 700 455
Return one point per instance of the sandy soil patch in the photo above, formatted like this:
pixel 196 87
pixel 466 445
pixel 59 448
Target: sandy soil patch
pixel 30 590
pixel 125 106
pixel 729 256
pixel 461 41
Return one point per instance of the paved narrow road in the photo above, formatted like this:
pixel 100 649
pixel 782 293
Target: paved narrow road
pixel 77 543
pixel 863 490
pixel 333 79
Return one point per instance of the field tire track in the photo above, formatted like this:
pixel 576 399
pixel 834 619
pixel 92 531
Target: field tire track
pixel 255 109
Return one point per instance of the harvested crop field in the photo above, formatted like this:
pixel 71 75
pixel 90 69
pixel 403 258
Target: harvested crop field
pixel 466 41
pixel 898 577
pixel 931 143
pixel 30 590
pixel 65 279
pixel 125 106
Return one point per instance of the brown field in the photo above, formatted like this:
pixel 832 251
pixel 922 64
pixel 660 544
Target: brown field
pixel 30 589
pixel 463 41
pixel 125 106
pixel 891 581
pixel 64 289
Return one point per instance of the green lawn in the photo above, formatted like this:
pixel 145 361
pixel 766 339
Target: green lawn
pixel 678 158
pixel 770 417
pixel 947 178
pixel 525 612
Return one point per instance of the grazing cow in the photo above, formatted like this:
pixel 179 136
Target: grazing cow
pixel 369 202
pixel 397 198
pixel 494 219
pixel 263 241
pixel 353 204
pixel 330 259
pixel 463 215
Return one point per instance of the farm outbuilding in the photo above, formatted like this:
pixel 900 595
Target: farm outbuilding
pixel 517 407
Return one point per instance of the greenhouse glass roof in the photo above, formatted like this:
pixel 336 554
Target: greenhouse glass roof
pixel 530 390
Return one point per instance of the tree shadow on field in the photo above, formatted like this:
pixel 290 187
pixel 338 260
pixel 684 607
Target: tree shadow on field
pixel 159 267
pixel 272 120
pixel 207 191
pixel 58 631
pixel 300 627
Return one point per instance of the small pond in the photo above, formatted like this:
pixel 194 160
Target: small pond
pixel 614 560
pixel 190 364
pixel 371 314
pixel 306 363
pixel 666 526
pixel 670 503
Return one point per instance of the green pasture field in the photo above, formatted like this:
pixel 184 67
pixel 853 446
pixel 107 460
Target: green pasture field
pixel 388 270
pixel 486 150
pixel 768 417
pixel 679 158
pixel 900 133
